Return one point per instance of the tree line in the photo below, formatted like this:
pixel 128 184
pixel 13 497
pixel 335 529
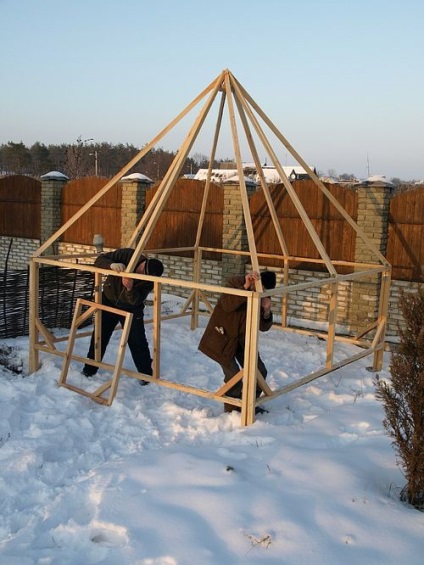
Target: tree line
pixel 85 158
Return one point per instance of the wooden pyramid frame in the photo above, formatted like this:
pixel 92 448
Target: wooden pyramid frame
pixel 250 115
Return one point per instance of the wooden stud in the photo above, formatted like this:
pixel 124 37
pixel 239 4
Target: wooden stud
pixel 34 283
pixel 332 320
pixel 156 328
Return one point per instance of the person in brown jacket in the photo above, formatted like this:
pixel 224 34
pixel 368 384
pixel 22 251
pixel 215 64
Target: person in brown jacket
pixel 224 336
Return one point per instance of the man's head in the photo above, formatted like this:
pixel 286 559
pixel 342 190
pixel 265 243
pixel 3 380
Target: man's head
pixel 152 267
pixel 268 279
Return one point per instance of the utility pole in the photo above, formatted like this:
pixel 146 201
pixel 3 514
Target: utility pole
pixel 96 168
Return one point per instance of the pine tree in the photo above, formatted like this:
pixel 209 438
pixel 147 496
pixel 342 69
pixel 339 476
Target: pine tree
pixel 403 398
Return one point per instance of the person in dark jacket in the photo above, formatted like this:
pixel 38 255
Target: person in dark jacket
pixel 224 336
pixel 129 295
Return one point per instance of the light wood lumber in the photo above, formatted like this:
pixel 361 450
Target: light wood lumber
pixel 34 283
pixel 332 318
pixel 243 190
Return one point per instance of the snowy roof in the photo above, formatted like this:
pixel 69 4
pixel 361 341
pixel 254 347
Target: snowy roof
pixel 54 175
pixel 137 176
pixel 217 175
pixel 235 179
pixel 377 180
pixel 270 173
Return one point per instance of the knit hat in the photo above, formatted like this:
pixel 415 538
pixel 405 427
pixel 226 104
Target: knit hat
pixel 268 279
pixel 153 267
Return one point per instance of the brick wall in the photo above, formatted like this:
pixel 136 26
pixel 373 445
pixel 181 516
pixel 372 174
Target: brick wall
pixel 19 251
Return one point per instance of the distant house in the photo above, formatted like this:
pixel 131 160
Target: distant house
pixel 293 172
pixel 218 176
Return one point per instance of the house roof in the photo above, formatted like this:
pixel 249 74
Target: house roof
pixel 270 173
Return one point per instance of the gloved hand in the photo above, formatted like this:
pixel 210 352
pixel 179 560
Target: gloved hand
pixel 118 267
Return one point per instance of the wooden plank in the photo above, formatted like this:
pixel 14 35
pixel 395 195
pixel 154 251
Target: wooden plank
pixel 332 319
pixel 120 357
pixel 83 392
pixel 250 359
pixel 266 389
pixel 243 190
pixel 156 329
pixel 34 282
pixel 70 345
pixel 229 384
pixel 47 335
pixel 208 178
pixel 259 169
pixel 382 317
pixel 320 373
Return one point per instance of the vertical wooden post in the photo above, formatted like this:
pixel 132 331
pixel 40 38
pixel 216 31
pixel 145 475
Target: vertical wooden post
pixel 285 296
pixel 97 317
pixel 34 283
pixel 196 278
pixel 382 318
pixel 120 358
pixel 250 359
pixel 71 341
pixel 157 301
pixel 332 318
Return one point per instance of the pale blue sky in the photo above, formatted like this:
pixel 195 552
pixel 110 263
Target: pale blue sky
pixel 341 79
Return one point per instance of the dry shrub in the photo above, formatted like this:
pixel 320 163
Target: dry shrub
pixel 403 398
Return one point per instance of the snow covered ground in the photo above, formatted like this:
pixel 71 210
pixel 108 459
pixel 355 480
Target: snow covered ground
pixel 166 478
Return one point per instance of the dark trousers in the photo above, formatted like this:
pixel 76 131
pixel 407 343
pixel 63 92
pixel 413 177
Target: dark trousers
pixel 234 368
pixel 137 341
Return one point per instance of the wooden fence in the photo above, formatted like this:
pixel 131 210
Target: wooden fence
pixel 103 217
pixel 179 220
pixel 337 236
pixel 20 217
pixel 20 207
pixel 405 249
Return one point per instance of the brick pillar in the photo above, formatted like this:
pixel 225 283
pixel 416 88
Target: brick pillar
pixel 51 206
pixel 234 234
pixel 134 189
pixel 373 219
